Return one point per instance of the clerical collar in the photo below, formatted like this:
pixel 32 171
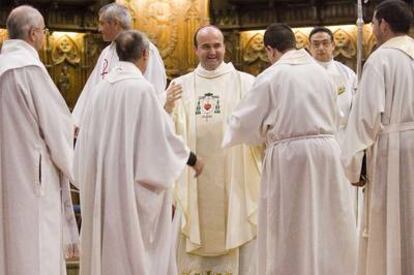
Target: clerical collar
pixel 124 70
pixel 403 43
pixel 325 64
pixel 222 69
pixel 12 45
pixel 294 57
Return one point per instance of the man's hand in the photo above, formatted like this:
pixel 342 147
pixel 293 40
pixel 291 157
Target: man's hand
pixel 76 132
pixel 72 252
pixel 198 167
pixel 360 183
pixel 174 92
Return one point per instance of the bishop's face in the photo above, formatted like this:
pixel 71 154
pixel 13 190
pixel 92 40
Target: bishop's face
pixel 210 48
pixel 108 29
pixel 322 47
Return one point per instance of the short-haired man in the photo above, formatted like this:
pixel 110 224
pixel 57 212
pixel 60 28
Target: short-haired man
pixel 322 47
pixel 36 150
pixel 218 226
pixel 306 224
pixel 126 158
pixel 113 19
pixel 382 122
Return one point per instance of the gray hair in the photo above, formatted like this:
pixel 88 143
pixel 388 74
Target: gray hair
pixel 117 12
pixel 130 45
pixel 21 20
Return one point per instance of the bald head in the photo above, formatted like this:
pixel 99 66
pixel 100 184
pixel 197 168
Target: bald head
pixel 133 46
pixel 21 20
pixel 204 29
pixel 209 44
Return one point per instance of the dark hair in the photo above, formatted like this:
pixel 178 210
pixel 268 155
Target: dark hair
pixel 199 29
pixel 130 45
pixel 279 36
pixel 396 13
pixel 321 29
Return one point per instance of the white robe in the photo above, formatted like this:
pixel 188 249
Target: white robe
pixel 306 225
pixel 382 121
pixel 36 150
pixel 344 80
pixel 154 73
pixel 218 208
pixel 126 159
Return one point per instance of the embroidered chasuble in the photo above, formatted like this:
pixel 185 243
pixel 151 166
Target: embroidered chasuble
pixel 219 208
pixel 212 209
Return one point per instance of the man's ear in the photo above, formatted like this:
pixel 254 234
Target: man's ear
pixel 384 26
pixel 270 50
pixel 31 35
pixel 145 54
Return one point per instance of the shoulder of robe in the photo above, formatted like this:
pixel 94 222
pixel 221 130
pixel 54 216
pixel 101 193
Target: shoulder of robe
pixel 181 79
pixel 36 73
pixel 345 68
pixel 267 74
pixel 247 76
pixel 139 84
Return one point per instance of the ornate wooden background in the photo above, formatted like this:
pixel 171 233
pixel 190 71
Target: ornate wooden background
pixel 170 24
pixel 69 58
pixel 74 44
pixel 253 57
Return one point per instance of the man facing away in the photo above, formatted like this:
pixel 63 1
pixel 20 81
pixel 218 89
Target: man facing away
pixel 37 224
pixel 113 19
pixel 218 220
pixel 306 225
pixel 126 158
pixel 382 122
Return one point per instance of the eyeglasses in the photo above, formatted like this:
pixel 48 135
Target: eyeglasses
pixel 44 30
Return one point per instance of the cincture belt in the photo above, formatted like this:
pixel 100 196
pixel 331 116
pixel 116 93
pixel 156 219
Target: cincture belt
pixel 283 140
pixel 400 127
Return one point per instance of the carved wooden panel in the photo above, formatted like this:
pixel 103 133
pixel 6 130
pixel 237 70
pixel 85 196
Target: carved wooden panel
pixel 171 24
pixel 254 59
pixel 3 36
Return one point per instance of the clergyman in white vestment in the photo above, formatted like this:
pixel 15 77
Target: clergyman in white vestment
pixel 114 18
pixel 126 159
pixel 382 122
pixel 217 211
pixel 37 224
pixel 306 225
pixel 322 47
